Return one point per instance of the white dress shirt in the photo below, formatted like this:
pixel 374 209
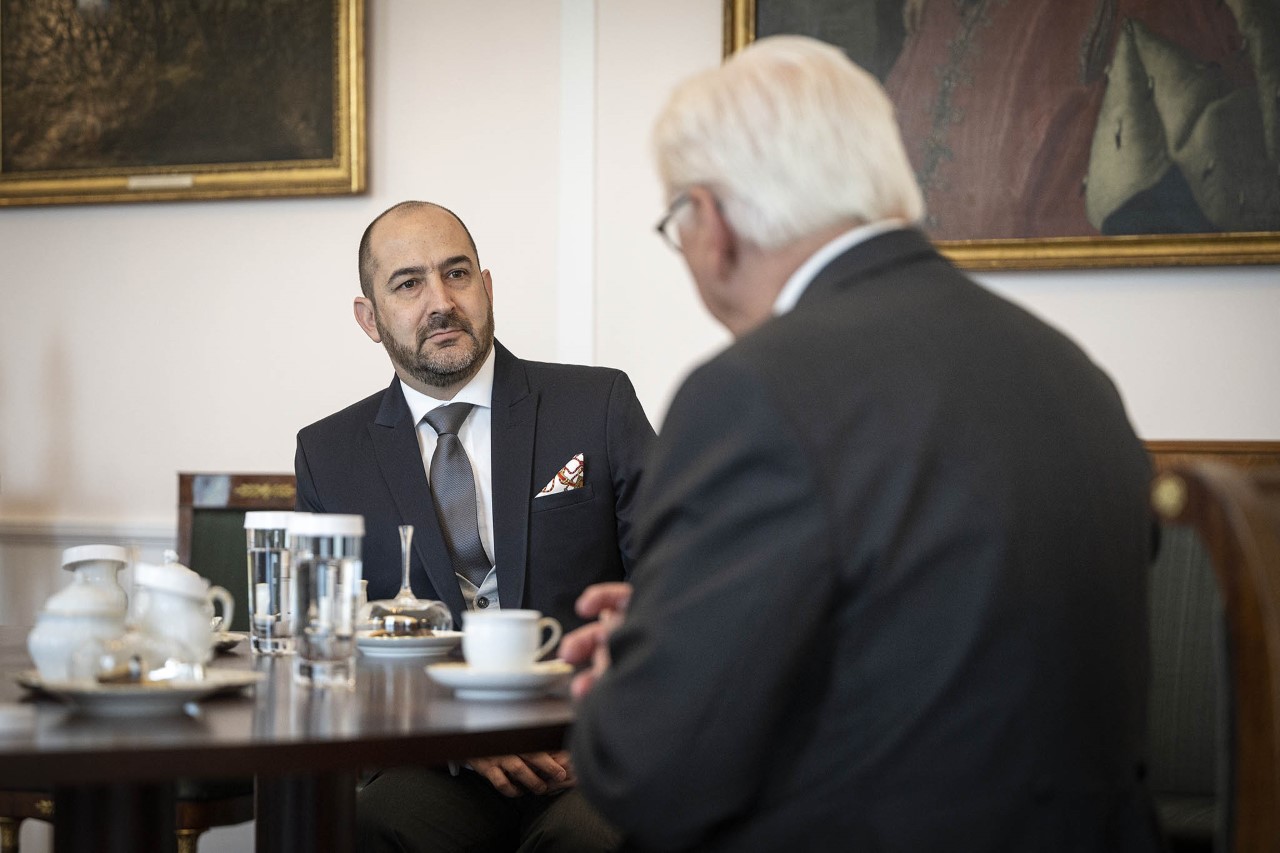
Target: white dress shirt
pixel 476 437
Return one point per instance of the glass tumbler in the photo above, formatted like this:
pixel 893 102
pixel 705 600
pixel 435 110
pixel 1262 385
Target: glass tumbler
pixel 270 583
pixel 326 587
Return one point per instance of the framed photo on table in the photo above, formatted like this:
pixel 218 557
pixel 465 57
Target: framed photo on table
pixel 105 100
pixel 1092 133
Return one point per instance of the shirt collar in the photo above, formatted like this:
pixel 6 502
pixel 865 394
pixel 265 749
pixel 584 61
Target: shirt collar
pixel 801 278
pixel 478 391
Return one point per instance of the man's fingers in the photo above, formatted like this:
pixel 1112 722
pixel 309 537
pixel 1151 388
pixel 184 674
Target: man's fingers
pixel 497 777
pixel 519 772
pixel 587 645
pixel 582 683
pixel 602 596
pixel 546 766
pixel 509 775
pixel 577 646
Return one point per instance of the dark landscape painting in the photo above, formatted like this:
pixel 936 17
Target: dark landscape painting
pixel 128 84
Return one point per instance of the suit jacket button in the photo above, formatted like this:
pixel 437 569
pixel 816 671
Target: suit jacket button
pixel 482 602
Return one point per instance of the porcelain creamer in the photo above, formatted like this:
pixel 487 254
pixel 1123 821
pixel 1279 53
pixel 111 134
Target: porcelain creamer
pixel 173 601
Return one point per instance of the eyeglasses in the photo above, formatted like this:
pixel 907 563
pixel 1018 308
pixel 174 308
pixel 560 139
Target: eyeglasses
pixel 666 226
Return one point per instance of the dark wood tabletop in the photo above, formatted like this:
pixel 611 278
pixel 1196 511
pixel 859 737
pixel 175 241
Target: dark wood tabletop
pixel 303 745
pixel 395 715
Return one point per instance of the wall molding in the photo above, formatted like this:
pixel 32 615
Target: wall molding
pixel 31 556
pixel 66 533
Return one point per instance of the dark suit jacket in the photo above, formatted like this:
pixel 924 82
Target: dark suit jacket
pixel 365 460
pixel 891 591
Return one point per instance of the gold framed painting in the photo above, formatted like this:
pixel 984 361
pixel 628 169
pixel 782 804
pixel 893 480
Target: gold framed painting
pixel 109 101
pixel 1091 133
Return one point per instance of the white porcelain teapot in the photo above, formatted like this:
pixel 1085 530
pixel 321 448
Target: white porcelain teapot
pixel 173 601
pixel 93 607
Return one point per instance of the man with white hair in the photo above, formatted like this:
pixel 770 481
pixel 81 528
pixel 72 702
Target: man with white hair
pixel 891 591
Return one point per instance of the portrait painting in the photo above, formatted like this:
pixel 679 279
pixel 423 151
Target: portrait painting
pixel 121 100
pixel 1048 133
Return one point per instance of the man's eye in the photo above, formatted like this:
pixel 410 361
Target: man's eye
pixel 408 284
pixel 456 274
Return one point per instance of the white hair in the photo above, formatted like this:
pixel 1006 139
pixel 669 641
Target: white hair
pixel 792 138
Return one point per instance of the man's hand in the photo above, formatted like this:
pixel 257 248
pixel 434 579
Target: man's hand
pixel 589 644
pixel 527 773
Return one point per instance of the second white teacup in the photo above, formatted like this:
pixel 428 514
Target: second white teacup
pixel 506 640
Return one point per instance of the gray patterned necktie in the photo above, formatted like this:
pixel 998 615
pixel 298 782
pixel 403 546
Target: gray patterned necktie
pixel 454 488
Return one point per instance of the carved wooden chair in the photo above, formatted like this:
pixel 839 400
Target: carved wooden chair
pixel 1187 761
pixel 18 806
pixel 200 806
pixel 1236 513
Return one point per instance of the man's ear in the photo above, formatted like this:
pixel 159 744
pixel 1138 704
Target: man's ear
pixel 488 284
pixel 721 244
pixel 365 316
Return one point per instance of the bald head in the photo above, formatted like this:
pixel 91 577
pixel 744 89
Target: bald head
pixel 366 260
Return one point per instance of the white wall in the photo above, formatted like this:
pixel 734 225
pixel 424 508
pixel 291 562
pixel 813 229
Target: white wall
pixel 1195 351
pixel 140 340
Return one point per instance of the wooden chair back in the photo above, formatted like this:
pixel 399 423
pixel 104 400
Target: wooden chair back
pixel 1234 506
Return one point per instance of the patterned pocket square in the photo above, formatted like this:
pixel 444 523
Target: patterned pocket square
pixel 571 476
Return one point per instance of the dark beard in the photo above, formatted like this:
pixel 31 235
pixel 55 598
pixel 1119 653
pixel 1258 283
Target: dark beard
pixel 435 372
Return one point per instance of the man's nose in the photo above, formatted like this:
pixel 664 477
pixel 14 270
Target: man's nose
pixel 439 300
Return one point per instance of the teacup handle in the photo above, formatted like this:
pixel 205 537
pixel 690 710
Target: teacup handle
pixel 221 596
pixel 547 622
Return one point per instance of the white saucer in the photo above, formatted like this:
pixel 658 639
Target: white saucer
pixel 437 645
pixel 128 700
pixel 486 685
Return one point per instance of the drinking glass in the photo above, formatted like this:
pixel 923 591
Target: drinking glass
pixel 327 567
pixel 270 582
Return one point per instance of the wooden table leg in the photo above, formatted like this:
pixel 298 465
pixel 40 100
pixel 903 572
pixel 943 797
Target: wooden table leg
pixel 313 813
pixel 114 818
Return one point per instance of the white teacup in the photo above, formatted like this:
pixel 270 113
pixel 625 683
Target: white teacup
pixel 506 640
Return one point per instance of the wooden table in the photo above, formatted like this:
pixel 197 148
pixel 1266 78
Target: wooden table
pixel 113 778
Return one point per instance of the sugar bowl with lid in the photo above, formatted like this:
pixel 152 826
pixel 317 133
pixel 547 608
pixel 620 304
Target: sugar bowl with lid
pixel 92 607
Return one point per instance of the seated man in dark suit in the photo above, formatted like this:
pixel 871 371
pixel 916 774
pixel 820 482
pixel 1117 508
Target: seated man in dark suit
pixel 893 541
pixel 507 428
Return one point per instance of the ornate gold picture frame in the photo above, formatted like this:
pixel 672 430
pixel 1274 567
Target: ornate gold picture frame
pixel 1110 46
pixel 105 101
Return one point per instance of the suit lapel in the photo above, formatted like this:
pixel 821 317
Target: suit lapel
pixel 513 427
pixel 399 458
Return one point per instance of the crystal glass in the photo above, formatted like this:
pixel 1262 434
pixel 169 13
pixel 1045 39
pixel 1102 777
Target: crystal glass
pixel 270 583
pixel 406 615
pixel 326 566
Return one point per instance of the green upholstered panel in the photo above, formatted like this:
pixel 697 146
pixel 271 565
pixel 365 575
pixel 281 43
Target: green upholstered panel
pixel 218 553
pixel 1187 692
